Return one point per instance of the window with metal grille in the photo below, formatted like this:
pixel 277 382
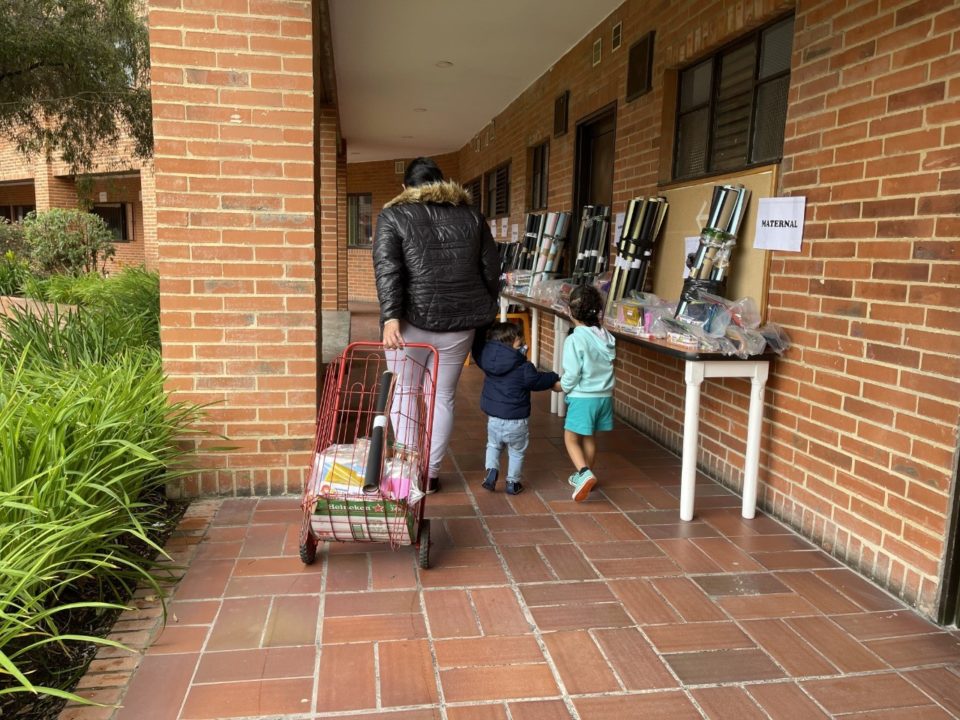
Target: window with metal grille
pixel 359 219
pixel 475 189
pixel 538 175
pixel 497 191
pixel 732 106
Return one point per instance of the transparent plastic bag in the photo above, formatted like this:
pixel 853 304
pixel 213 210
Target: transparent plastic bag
pixel 776 337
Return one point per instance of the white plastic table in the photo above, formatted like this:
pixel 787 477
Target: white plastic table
pixel 698 366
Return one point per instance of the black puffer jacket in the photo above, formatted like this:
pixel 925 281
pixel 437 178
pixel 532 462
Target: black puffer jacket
pixel 435 261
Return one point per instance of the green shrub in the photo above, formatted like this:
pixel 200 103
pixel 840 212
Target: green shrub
pixel 69 242
pixel 79 449
pixel 12 239
pixel 14 273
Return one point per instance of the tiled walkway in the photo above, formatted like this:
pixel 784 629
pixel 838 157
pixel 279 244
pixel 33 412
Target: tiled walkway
pixel 537 608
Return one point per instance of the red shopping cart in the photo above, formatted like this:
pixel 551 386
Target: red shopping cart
pixel 371 456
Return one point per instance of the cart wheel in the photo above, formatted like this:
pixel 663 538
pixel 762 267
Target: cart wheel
pixel 308 543
pixel 423 547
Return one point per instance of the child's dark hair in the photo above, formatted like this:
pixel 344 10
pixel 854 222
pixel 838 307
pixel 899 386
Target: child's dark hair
pixel 421 171
pixel 503 332
pixel 586 305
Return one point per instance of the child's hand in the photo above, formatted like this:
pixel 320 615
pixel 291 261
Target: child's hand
pixel 557 387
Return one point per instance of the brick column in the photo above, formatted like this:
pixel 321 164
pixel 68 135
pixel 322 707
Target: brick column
pixel 232 88
pixel 148 201
pixel 327 153
pixel 51 191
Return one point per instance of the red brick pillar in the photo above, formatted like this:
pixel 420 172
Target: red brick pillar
pixel 232 86
pixel 329 214
pixel 148 200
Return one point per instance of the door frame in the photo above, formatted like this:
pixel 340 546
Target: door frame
pixel 578 149
pixel 948 602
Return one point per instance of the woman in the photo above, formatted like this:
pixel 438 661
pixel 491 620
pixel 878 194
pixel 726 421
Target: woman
pixel 438 272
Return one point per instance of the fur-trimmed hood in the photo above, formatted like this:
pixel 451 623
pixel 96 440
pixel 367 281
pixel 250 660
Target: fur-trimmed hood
pixel 445 192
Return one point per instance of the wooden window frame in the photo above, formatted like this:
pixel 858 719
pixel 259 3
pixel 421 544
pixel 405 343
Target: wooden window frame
pixel 352 241
pixel 499 176
pixel 537 195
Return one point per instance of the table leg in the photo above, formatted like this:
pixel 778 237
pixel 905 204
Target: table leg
pixel 693 376
pixel 758 383
pixel 559 335
pixel 504 305
pixel 535 337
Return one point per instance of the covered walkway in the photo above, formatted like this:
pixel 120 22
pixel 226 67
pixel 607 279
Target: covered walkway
pixel 536 608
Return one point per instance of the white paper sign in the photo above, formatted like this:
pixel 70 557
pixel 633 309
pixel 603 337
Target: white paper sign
pixel 690 245
pixel 514 232
pixel 503 227
pixel 780 223
pixel 618 226
pixel 493 229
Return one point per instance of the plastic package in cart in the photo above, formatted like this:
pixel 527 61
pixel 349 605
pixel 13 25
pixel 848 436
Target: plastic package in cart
pixel 339 469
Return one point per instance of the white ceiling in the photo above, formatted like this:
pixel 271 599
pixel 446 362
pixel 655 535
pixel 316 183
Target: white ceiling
pixel 386 54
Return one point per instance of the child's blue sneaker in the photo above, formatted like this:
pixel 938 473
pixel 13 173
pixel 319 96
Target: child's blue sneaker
pixel 585 481
pixel 514 488
pixel 490 482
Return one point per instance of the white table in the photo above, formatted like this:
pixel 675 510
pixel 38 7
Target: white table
pixel 698 366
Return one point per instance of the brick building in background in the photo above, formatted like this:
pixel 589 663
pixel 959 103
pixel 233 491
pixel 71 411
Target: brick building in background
pixel 859 447
pixel 119 188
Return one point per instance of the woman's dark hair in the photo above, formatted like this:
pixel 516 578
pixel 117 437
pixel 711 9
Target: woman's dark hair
pixel 503 332
pixel 586 305
pixel 421 171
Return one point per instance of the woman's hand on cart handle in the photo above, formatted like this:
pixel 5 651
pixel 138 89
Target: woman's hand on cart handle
pixel 392 339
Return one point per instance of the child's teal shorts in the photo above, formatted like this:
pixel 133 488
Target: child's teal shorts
pixel 587 415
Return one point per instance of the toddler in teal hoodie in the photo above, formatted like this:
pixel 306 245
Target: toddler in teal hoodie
pixel 588 354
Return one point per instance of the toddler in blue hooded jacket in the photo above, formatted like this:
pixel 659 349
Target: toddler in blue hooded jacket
pixel 509 380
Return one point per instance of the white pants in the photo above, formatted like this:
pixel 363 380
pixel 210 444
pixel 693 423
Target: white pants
pixel 452 349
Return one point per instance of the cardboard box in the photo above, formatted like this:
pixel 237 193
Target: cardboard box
pixel 363 520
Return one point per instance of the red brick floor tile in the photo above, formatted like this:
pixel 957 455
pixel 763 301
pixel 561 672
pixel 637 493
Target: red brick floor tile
pixel 387 602
pixel 498 683
pixel 526 564
pixel 467 532
pixel 771 543
pixel 728 556
pixel 515 538
pixel 785 701
pixel 726 703
pixel 866 692
pixel 633 660
pixel 257 699
pixel 878 625
pixel 687 556
pixel 214 551
pixel 641 567
pixel 441 576
pixel 566 593
pixel 692 637
pixel 450 613
pixel 668 529
pixel 622 550
pixel 580 663
pixel 795 560
pixel 499 611
pixel 645 605
pixel 588 615
pixel 540 710
pixel 917 650
pixel 584 528
pixel 264 541
pixel 407 675
pixel 172 673
pixel 567 562
pixel 394 570
pixel 237 665
pixel 424 714
pixel 240 624
pixel 347 679
pixel 924 712
pixel 292 621
pixel 766 606
pixel 688 599
pixel 86 712
pixel 838 647
pixel 199 612
pixel 371 628
pixel 673 705
pixel 348 572
pixel 741 584
pixel 940 684
pixel 794 655
pixel 477 712
pixel 723 666
pixel 471 652
pixel 273 585
pixel 866 595
pixel 256 567
pixel 818 593
pixel 174 639
pixel 205 580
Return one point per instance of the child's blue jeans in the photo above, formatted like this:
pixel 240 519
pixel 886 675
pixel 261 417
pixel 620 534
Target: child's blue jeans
pixel 515 434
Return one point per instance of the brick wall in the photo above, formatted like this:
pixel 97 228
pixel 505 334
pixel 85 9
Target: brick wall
pixel 327 157
pixel 859 440
pixel 232 87
pixel 381 180
pixel 124 190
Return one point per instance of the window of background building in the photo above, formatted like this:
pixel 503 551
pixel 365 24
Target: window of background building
pixel 497 191
pixel 539 155
pixel 16 213
pixel 115 216
pixel 732 106
pixel 359 219
pixel 476 191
